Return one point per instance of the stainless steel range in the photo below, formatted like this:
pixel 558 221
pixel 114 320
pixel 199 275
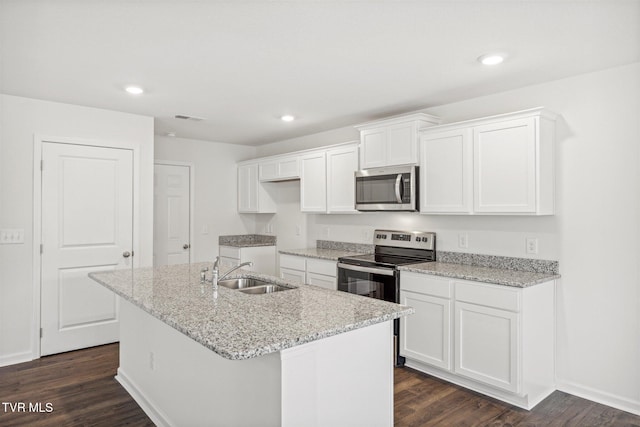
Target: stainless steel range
pixel 376 275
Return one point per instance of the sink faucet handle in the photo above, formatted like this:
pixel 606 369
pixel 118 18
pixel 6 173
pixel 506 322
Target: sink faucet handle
pixel 203 274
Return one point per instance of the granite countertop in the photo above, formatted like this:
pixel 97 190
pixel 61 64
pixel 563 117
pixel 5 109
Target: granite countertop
pixel 498 276
pixel 329 254
pixel 240 326
pixel 247 240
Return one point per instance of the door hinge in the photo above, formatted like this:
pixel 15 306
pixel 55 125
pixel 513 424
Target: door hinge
pixel 40 332
pixel 41 248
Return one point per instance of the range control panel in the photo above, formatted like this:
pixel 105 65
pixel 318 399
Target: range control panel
pixel 405 239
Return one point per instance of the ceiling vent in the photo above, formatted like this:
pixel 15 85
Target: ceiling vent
pixel 185 117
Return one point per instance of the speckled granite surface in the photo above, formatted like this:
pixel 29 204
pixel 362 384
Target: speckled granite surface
pixel 502 262
pixel 241 326
pixel 247 240
pixel 498 276
pixel 359 248
pixel 329 254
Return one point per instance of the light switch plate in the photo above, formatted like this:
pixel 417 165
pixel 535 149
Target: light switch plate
pixel 11 236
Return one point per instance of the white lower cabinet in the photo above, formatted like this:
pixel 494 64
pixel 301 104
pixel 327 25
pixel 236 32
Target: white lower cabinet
pixel 486 345
pixel 312 271
pixel 263 257
pixel 496 340
pixel 425 334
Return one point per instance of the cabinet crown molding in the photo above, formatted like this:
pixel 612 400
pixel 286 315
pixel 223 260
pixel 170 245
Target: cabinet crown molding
pixel 538 111
pixel 297 153
pixel 422 118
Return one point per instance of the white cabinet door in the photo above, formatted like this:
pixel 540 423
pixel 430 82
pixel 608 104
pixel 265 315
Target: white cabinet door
pixel 293 275
pixel 279 169
pixel 313 182
pixel 374 148
pixel 401 144
pixel 253 196
pixel 446 172
pixel 248 188
pixel 505 166
pixel 341 166
pixel 486 345
pixel 425 335
pixel 327 282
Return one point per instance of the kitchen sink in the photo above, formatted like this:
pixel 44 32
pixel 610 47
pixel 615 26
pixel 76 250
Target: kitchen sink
pixel 264 289
pixel 241 283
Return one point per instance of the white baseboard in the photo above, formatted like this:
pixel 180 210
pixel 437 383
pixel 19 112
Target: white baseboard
pixel 624 404
pixel 156 415
pixel 12 359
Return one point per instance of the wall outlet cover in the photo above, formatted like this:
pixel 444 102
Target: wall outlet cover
pixel 531 245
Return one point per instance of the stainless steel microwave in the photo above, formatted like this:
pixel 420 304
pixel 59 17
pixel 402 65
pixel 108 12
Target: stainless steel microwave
pixel 393 188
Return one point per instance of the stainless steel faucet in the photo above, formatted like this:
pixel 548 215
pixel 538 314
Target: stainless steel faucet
pixel 215 274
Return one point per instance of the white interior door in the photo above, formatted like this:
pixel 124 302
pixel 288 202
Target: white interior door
pixel 171 215
pixel 87 225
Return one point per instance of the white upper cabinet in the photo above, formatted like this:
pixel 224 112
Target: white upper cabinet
pixel 313 182
pixel 342 163
pixel 280 169
pixel 446 171
pixel 495 165
pixel 327 183
pixel 392 141
pixel 253 196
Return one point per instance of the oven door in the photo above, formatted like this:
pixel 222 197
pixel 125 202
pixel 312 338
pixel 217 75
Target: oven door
pixel 373 282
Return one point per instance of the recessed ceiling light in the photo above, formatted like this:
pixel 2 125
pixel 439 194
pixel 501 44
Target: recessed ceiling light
pixel 492 58
pixel 287 118
pixel 134 90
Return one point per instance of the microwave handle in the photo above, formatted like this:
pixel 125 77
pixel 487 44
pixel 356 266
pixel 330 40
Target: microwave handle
pixel 398 184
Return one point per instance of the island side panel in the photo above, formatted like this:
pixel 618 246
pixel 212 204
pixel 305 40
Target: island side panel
pixel 343 380
pixel 179 382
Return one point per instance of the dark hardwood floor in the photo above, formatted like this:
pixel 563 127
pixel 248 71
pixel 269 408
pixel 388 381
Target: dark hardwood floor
pixel 81 389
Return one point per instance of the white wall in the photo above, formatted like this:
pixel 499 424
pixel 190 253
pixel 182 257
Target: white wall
pixel 595 234
pixel 215 189
pixel 20 118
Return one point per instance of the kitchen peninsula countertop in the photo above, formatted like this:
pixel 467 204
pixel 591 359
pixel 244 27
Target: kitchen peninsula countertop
pixel 497 276
pixel 247 240
pixel 239 326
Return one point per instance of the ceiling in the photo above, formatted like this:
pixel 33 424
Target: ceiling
pixel 242 64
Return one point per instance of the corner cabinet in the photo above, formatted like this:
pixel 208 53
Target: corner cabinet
pixel 392 141
pixel 495 165
pixel 496 340
pixel 253 196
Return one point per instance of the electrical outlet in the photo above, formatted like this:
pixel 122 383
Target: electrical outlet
pixel 463 240
pixel 11 236
pixel 531 245
pixel 367 236
pixel 205 229
pixel 298 230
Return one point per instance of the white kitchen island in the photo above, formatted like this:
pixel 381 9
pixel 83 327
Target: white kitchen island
pixel 301 357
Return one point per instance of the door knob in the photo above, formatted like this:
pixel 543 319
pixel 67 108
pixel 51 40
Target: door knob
pixel 185 246
pixel 126 254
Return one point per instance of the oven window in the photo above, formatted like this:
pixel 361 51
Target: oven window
pixel 367 284
pixel 376 189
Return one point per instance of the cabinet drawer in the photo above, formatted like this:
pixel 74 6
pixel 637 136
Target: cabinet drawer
pixel 322 266
pixel 327 282
pixel 230 252
pixel 293 262
pixel 488 295
pixel 292 275
pixel 425 284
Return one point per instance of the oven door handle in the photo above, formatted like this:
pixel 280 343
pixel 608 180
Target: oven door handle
pixel 382 271
pixel 398 184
